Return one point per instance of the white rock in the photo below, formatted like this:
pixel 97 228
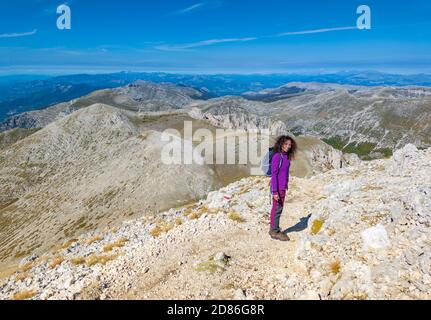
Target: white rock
pixel 239 295
pixel 375 238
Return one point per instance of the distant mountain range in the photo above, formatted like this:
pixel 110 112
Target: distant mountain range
pixel 368 121
pixel 24 93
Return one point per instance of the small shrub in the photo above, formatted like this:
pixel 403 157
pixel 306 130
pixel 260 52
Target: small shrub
pixel 94 239
pixel 56 262
pixel 363 296
pixel 24 295
pixel 102 259
pixel 211 265
pixel 21 276
pixel 316 226
pixel 26 267
pixel 156 231
pixel 161 228
pixel 67 244
pixel 77 261
pixel 235 216
pixel 335 267
pixel 117 244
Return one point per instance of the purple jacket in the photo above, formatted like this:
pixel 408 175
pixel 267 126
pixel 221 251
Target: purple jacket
pixel 283 173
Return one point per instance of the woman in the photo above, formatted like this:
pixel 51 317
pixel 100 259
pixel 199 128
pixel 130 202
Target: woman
pixel 283 152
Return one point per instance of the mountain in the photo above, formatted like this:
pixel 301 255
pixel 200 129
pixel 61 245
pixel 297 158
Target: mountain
pixel 85 171
pixel 101 164
pixel 14 79
pixel 140 96
pixel 23 96
pixel 369 121
pixel 355 234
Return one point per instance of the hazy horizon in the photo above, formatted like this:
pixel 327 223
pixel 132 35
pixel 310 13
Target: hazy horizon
pixel 239 73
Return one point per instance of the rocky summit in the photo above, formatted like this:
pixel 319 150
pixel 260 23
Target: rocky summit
pixel 357 232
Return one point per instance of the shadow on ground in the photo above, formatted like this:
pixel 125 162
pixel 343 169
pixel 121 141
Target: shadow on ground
pixel 301 225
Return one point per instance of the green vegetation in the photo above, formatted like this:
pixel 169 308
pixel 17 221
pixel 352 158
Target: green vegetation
pixel 364 149
pixel 316 226
pixel 211 265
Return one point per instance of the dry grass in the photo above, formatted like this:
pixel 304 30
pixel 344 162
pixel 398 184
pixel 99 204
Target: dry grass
pixel 56 262
pixel 363 296
pixel 371 188
pixel 26 267
pixel 209 266
pixel 100 259
pixel 244 189
pixel 93 240
pixel 196 213
pixel 24 295
pixel 68 243
pixel 373 220
pixel 178 221
pixel 335 267
pixel 117 244
pixel 162 227
pixel 8 271
pixel 228 286
pixel 235 216
pixel 77 261
pixel 42 259
pixel 188 209
pixel 316 226
pixel 21 276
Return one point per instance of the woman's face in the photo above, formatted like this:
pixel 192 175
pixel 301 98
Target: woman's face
pixel 286 146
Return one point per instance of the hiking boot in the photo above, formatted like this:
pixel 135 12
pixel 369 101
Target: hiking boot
pixel 282 236
pixel 274 234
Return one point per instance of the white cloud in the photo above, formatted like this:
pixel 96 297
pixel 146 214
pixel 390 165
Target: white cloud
pixel 203 43
pixel 315 31
pixel 184 47
pixel 17 35
pixel 188 9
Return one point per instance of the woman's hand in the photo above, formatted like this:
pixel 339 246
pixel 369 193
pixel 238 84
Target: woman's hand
pixel 276 197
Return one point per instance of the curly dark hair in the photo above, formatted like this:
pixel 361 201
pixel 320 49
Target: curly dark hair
pixel 279 143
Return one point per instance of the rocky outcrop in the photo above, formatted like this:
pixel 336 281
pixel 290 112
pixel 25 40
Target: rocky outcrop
pixel 236 113
pixel 377 119
pixel 369 236
pixel 360 232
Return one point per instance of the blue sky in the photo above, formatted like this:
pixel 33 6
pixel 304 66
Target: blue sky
pixel 215 36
